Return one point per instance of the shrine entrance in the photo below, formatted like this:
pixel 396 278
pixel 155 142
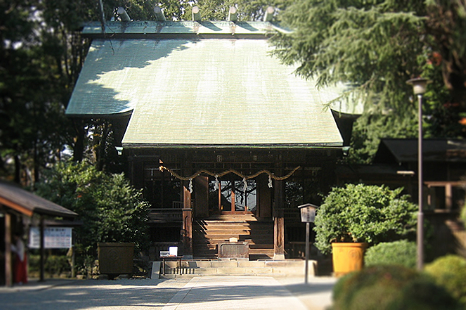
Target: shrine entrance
pixel 236 196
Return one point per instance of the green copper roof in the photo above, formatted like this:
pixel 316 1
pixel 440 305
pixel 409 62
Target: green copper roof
pixel 203 92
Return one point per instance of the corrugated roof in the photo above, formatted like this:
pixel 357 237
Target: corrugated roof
pixel 27 203
pixel 203 92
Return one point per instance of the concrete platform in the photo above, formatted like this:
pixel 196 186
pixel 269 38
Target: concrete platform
pixel 190 268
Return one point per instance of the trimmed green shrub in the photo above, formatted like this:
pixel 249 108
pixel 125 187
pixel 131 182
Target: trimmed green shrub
pixel 111 210
pixel 450 272
pixel 390 287
pixel 402 252
pixel 364 213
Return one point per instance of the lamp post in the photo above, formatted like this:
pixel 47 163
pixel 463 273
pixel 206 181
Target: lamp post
pixel 308 214
pixel 419 89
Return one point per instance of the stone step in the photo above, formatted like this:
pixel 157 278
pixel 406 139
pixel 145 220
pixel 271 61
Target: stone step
pixel 218 263
pixel 239 267
pixel 251 256
pixel 254 254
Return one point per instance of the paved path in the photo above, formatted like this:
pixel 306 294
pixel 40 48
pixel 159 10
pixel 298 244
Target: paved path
pixel 219 292
pixel 231 292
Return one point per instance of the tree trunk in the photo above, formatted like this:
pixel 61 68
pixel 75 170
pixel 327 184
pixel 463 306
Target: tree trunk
pixel 78 147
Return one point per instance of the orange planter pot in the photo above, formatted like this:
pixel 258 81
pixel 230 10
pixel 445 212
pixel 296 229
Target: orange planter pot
pixel 347 257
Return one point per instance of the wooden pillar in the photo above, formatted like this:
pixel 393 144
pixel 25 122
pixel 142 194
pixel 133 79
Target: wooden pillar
pixel 8 257
pixel 201 199
pixel 264 197
pixel 187 229
pixel 448 196
pixel 279 221
pixel 42 250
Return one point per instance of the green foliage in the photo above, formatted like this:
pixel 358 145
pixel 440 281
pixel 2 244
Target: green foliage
pixel 247 10
pixel 178 10
pixel 110 208
pixel 54 264
pixel 445 24
pixel 375 47
pixel 27 96
pixel 450 272
pixel 402 252
pixel 463 214
pixel 363 213
pixel 369 129
pixel 368 44
pixel 389 287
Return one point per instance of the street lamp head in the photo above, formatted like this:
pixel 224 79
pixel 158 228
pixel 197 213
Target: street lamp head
pixel 308 212
pixel 119 150
pixel 419 85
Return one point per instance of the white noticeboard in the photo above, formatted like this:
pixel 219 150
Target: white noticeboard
pixel 54 237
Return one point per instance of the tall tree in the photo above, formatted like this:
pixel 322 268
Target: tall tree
pixel 374 46
pixel 445 23
pixel 246 10
pixel 25 137
pixel 41 55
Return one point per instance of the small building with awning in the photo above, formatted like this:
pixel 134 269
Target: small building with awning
pixel 16 204
pixel 224 139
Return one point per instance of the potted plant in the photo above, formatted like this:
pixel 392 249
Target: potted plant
pixel 355 216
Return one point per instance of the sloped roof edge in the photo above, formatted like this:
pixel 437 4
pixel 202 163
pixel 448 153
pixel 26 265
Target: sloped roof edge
pixel 180 28
pixel 16 198
pixel 434 150
pixel 235 146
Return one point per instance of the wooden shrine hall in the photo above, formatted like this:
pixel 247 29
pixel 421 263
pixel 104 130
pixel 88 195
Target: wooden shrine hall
pixel 224 140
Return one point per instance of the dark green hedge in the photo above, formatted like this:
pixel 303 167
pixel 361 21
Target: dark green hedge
pixel 390 287
pixel 401 252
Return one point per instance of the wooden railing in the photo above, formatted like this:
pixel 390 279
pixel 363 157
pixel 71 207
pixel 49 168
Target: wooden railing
pixel 173 214
pixel 296 249
pixel 165 215
pixel 292 214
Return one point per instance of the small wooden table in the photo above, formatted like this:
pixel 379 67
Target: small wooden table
pixel 171 258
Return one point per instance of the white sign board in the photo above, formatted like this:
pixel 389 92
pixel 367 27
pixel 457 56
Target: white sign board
pixel 173 250
pixel 308 216
pixel 308 213
pixel 54 237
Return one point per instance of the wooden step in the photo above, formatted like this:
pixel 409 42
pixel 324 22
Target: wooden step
pixel 208 233
pixel 237 217
pixel 227 236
